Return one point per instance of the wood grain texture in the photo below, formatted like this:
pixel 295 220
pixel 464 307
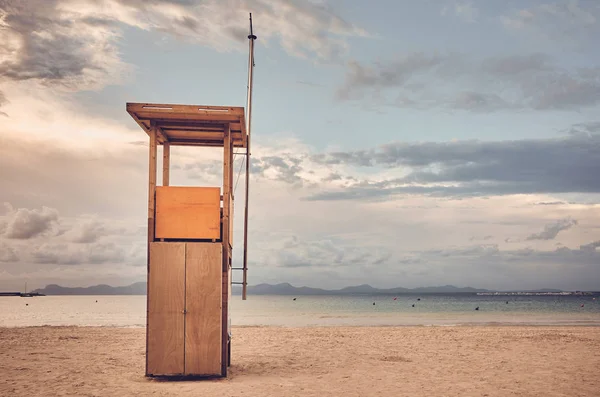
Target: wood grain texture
pixel 191 124
pixel 226 263
pixel 151 211
pixel 166 302
pixel 166 163
pixel 188 212
pixel 203 306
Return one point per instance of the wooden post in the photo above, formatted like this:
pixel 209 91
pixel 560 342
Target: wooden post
pixel 151 207
pixel 166 163
pixel 227 189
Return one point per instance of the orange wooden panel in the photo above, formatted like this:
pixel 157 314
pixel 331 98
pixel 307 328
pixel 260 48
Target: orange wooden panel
pixel 166 282
pixel 203 306
pixel 188 212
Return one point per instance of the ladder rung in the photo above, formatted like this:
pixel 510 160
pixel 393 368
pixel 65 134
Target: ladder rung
pixel 237 268
pixel 233 282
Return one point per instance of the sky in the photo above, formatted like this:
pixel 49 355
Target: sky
pixel 394 143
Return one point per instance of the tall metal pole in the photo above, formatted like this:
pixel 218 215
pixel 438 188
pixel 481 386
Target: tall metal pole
pixel 251 38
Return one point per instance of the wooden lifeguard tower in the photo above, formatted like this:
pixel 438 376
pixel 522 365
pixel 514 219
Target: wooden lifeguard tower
pixel 188 329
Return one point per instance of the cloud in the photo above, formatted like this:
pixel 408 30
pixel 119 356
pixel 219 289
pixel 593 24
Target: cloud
pixel 7 253
pixel 319 243
pixel 397 73
pixel 36 172
pixel 87 231
pixel 551 203
pixel 463 168
pixel 551 230
pixel 462 9
pixel 590 247
pixel 65 240
pixel 73 44
pixel 65 254
pixel 58 44
pixel 3 100
pixel 458 82
pixel 302 28
pixel 280 168
pixel 585 129
pixel 24 224
pixel 568 23
pixel 328 252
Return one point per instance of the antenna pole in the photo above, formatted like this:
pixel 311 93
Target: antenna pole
pixel 251 38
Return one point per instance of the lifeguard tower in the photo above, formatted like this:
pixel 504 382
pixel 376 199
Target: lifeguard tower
pixel 188 329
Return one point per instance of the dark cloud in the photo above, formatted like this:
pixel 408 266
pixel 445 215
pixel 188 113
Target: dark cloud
pixel 551 230
pixel 591 247
pixel 25 224
pixel 551 203
pixel 58 44
pixel 477 101
pixel 517 65
pixel 511 82
pixel 281 168
pixel 466 168
pixel 488 237
pixel 56 47
pixel 396 73
pixel 3 101
pixel 585 129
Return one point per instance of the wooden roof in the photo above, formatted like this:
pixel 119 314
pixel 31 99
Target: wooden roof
pixel 191 125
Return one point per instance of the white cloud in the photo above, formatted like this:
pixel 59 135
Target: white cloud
pixel 24 224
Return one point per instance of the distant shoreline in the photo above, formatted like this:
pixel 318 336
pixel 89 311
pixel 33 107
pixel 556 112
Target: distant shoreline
pixel 286 289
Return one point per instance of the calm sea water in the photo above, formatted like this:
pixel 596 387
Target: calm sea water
pixel 130 311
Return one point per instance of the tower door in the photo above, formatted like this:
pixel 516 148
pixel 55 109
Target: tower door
pixel 166 304
pixel 203 299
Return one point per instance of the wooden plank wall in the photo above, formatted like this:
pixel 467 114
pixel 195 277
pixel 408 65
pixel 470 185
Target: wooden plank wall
pixel 203 309
pixel 166 302
pixel 188 212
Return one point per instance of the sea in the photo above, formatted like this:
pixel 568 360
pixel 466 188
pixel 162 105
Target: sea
pixel 306 311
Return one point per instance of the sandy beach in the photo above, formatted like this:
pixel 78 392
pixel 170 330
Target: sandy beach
pixel 325 361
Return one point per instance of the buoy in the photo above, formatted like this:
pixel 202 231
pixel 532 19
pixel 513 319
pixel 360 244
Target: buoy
pixel 373 303
pixel 477 308
pixel 418 299
pixel 395 298
pixel 294 298
pixel 413 305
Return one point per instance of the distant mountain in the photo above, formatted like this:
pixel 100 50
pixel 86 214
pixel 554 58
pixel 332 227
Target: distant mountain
pixel 364 289
pixel 102 289
pixel 270 289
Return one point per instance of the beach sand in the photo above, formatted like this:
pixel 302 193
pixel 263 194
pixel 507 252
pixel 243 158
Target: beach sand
pixel 326 361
